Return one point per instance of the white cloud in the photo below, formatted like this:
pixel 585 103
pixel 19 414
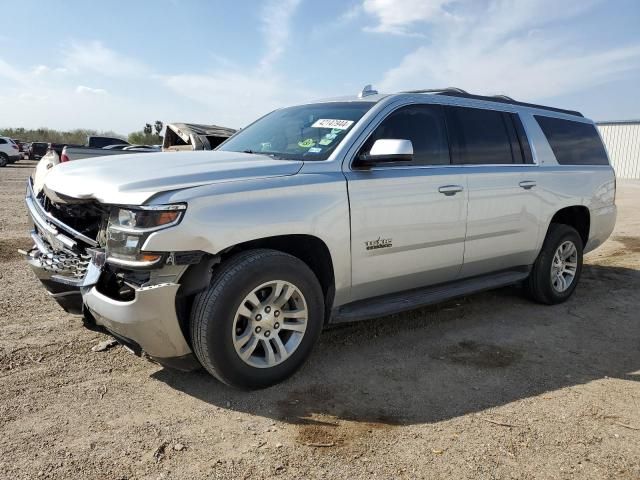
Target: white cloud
pixel 95 57
pixel 405 17
pixel 502 49
pixel 352 13
pixel 396 16
pixel 276 19
pixel 44 70
pixel 81 89
pixel 40 70
pixel 234 96
pixel 7 71
pixel 31 97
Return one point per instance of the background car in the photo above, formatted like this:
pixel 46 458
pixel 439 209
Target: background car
pixel 37 150
pixel 9 151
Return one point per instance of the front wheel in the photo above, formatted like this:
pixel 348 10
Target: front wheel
pixel 557 269
pixel 259 319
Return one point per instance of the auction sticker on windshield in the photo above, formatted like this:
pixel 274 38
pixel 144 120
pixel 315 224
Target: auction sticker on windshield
pixel 332 123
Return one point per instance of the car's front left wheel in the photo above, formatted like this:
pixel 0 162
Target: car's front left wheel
pixel 258 321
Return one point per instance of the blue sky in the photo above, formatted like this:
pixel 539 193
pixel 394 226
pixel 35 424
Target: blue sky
pixel 114 65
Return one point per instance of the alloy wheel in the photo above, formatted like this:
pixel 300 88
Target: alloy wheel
pixel 564 266
pixel 269 324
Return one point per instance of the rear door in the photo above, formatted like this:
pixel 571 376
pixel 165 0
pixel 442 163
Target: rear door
pixel 407 219
pixel 504 205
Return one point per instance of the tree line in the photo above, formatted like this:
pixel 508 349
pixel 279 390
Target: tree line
pixel 77 136
pixel 149 135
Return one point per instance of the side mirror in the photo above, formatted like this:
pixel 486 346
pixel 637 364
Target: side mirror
pixel 387 151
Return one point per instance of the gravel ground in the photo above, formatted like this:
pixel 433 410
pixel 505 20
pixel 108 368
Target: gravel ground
pixel 491 386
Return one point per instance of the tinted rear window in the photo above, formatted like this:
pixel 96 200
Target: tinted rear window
pixel 573 143
pixel 480 136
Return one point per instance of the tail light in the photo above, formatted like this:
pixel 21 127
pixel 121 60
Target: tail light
pixel 15 146
pixel 64 157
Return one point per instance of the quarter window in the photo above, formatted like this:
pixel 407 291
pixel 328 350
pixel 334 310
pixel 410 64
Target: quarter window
pixel 480 137
pixel 573 143
pixel 424 125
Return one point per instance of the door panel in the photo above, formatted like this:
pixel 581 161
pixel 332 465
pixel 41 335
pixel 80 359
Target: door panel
pixel 503 218
pixel 405 233
pixel 504 207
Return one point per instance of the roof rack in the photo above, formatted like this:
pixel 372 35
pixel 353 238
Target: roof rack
pixel 458 92
pixel 439 90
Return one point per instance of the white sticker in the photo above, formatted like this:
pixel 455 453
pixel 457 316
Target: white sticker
pixel 314 150
pixel 332 123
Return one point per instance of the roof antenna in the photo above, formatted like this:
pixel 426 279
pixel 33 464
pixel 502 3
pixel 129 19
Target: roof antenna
pixel 366 91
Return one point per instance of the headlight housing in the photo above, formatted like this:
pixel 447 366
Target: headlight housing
pixel 129 227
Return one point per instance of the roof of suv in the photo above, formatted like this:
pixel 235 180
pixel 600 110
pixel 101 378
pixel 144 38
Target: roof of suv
pixel 369 95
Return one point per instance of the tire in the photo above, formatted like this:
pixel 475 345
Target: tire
pixel 4 160
pixel 543 284
pixel 218 320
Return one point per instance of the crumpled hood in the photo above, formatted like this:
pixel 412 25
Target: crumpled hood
pixel 132 179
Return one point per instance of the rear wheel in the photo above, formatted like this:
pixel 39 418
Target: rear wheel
pixel 259 319
pixel 4 160
pixel 557 269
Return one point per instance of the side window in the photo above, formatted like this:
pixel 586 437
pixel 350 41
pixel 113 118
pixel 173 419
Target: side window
pixel 573 143
pixel 424 125
pixel 480 137
pixel 2 141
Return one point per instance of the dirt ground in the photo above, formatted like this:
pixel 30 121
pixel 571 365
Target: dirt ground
pixel 492 386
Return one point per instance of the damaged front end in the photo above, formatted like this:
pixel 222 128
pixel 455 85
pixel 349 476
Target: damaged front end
pixel 65 237
pixel 90 259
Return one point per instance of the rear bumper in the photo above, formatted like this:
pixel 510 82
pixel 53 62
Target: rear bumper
pixel 15 158
pixel 603 221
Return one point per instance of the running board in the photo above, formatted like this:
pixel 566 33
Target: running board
pixel 421 297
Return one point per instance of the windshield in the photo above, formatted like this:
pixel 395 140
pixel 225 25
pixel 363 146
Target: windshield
pixel 309 132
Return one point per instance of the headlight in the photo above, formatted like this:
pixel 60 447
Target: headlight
pixel 129 228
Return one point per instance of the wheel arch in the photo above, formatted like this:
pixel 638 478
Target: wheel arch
pixel 313 251
pixel 576 216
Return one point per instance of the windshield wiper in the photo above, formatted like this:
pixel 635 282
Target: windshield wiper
pixel 275 156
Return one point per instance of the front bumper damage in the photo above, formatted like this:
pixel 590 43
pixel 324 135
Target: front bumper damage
pixel 149 320
pixel 72 269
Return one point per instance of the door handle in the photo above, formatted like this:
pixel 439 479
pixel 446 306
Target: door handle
pixel 527 184
pixel 449 190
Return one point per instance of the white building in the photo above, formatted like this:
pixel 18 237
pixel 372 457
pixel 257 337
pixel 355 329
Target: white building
pixel 622 139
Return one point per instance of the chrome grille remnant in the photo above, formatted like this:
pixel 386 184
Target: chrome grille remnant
pixel 65 263
pixel 62 235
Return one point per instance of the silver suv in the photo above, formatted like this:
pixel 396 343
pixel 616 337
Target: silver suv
pixel 9 151
pixel 327 212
